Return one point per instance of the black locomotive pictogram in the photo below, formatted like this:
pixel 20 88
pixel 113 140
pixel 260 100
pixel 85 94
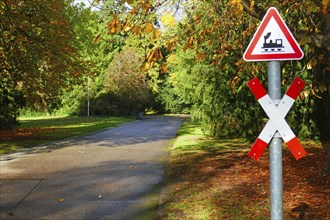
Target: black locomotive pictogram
pixel 277 46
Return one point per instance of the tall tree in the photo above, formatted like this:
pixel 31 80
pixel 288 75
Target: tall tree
pixel 36 53
pixel 216 33
pixel 128 84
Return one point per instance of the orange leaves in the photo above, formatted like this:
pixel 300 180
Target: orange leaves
pixel 252 5
pixel 238 4
pixel 96 39
pixel 114 26
pixel 171 44
pixel 163 68
pixel 146 5
pixel 189 43
pixel 201 56
pixel 152 57
pixel 325 6
pixel 149 27
pixel 156 34
pixel 239 62
pixel 233 83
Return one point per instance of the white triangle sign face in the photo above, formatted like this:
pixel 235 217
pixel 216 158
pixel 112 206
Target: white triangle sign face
pixel 273 41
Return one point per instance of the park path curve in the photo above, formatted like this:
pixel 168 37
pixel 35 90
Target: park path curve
pixel 114 174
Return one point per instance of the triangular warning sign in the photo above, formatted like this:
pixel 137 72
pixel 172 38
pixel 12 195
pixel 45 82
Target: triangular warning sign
pixel 273 41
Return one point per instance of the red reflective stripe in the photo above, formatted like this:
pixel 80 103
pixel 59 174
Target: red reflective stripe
pixel 295 88
pixel 257 149
pixel 257 89
pixel 296 149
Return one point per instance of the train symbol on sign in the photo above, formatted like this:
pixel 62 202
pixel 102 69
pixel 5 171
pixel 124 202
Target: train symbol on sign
pixel 272 47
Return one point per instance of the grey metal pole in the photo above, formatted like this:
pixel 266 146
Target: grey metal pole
pixel 87 96
pixel 275 147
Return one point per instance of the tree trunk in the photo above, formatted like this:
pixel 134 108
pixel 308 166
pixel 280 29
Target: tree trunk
pixel 324 104
pixel 327 167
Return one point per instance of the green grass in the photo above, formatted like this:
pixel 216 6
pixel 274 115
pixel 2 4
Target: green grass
pixel 215 179
pixel 191 194
pixel 40 130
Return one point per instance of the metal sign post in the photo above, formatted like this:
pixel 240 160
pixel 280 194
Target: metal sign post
pixel 275 147
pixel 274 42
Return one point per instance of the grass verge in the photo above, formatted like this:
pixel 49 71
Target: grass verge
pixel 40 130
pixel 215 179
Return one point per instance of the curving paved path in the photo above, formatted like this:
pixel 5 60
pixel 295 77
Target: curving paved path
pixel 115 174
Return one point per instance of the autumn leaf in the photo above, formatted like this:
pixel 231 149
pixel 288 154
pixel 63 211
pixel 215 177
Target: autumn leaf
pixel 114 26
pixel 325 6
pixel 252 5
pixel 136 30
pixel 237 4
pixel 239 62
pixel 171 43
pixel 147 66
pixel 233 83
pixel 163 68
pixel 96 39
pixel 149 27
pixel 168 20
pixel 157 34
pixel 150 55
pixel 200 56
pixel 146 5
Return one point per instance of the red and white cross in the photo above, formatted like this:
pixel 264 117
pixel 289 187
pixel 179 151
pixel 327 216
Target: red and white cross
pixel 276 115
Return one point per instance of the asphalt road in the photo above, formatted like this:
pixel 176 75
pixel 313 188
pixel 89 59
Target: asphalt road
pixel 114 174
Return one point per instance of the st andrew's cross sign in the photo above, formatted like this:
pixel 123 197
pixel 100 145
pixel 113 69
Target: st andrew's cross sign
pixel 276 115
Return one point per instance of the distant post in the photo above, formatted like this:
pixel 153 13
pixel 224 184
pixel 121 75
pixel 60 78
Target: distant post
pixel 87 96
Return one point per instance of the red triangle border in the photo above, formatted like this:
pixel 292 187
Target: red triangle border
pixel 297 55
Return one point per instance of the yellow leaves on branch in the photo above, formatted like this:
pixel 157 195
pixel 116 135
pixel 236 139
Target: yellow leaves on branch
pixel 251 5
pixel 149 27
pixel 311 64
pixel 171 44
pixel 239 62
pixel 116 26
pixel 156 34
pixel 325 6
pixel 168 20
pixel 152 57
pixel 130 2
pixel 146 5
pixel 233 83
pixel 238 4
pixel 96 39
pixel 189 43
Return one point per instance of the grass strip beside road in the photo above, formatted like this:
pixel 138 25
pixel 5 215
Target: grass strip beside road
pixel 215 179
pixel 40 130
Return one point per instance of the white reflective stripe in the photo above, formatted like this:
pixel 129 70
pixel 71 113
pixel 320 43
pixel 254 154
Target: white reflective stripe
pixel 285 105
pixel 276 118
pixel 269 130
